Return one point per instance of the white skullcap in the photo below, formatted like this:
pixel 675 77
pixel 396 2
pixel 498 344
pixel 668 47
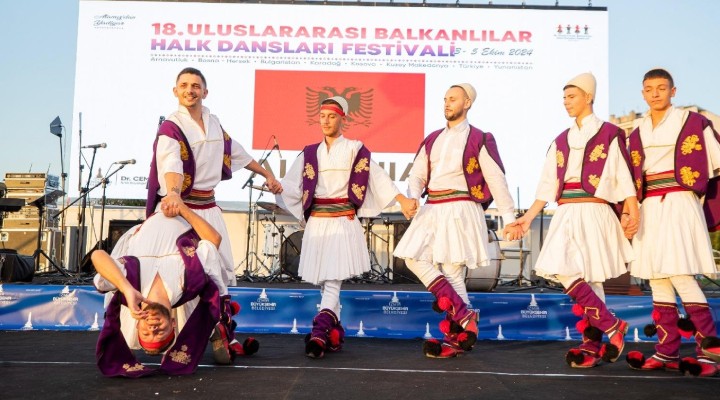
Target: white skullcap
pixel 469 90
pixel 340 100
pixel 586 83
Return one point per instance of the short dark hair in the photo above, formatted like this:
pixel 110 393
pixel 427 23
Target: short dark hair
pixel 192 71
pixel 659 73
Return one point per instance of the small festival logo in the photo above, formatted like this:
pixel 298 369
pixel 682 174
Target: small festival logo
pixel 263 303
pixel 572 31
pixel 533 311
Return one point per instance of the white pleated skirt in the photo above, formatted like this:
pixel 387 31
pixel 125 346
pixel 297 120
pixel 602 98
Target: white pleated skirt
pixel 584 239
pixel 333 249
pixel 672 239
pixel 447 233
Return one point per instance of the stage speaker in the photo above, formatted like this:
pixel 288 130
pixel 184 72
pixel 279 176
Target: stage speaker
pixel 24 242
pixel 401 273
pixel 117 228
pixel 16 267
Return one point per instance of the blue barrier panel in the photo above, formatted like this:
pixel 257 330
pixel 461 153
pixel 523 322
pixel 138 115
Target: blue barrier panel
pixel 365 313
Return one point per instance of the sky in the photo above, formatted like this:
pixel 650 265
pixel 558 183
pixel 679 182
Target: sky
pixel 37 66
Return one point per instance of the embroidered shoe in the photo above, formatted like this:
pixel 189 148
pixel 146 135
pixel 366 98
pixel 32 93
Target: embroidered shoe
pixel 700 366
pixel 636 360
pixel 610 352
pixel 249 347
pixel 315 347
pixel 220 345
pixel 577 358
pixel 434 348
pixel 711 348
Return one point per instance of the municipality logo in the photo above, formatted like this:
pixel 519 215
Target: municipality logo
pixel 66 297
pixel 4 298
pixel 394 307
pixel 263 303
pixel 533 311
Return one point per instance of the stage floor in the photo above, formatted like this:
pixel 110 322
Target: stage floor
pixel 59 365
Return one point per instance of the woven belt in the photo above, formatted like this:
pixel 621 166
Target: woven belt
pixel 331 208
pixel 574 193
pixel 446 196
pixel 200 199
pixel 661 184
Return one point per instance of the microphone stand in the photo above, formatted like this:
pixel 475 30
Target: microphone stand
pixel 251 219
pixel 104 182
pixel 79 240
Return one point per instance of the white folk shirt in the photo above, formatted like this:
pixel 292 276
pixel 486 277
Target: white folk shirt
pixel 154 244
pixel 207 148
pixel 659 142
pixel 616 183
pixel 446 160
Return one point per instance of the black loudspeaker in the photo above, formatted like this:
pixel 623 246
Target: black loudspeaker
pixel 117 228
pixel 16 267
pixel 401 273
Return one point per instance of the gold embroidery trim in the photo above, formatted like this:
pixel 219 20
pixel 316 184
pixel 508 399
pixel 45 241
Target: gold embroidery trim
pixel 472 165
pixel 181 356
pixel 594 180
pixel 136 367
pixel 690 144
pixel 309 171
pixel 560 159
pixel 187 180
pixel 226 160
pixel 305 195
pixel 358 190
pixel 477 192
pixel 189 251
pixel 688 176
pixel 597 153
pixel 635 157
pixel 184 155
pixel 362 165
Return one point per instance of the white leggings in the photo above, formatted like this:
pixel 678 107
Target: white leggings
pixel 663 290
pixel 330 292
pixel 427 272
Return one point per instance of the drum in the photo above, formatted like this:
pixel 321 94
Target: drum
pixel 273 237
pixel 484 279
pixel 290 254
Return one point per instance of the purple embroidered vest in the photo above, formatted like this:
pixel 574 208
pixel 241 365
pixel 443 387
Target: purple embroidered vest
pixel 115 358
pixel 477 188
pixel 691 165
pixel 171 130
pixel 594 156
pixel 357 182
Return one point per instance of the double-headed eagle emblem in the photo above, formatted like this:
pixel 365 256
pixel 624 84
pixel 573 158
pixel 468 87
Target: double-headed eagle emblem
pixel 360 104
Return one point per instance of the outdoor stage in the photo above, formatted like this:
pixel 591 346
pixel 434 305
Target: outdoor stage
pixel 48 331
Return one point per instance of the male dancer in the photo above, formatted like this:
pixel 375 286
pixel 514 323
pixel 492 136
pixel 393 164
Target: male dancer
pixel 192 154
pixel 460 169
pixel 168 297
pixel 587 172
pixel 675 154
pixel 329 185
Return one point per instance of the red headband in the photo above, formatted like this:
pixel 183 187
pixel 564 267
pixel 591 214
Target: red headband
pixel 332 107
pixel 157 345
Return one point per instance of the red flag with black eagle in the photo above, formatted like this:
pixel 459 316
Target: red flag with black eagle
pixel 386 110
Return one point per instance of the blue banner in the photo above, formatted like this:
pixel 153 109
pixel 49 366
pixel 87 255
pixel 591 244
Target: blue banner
pixel 364 313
